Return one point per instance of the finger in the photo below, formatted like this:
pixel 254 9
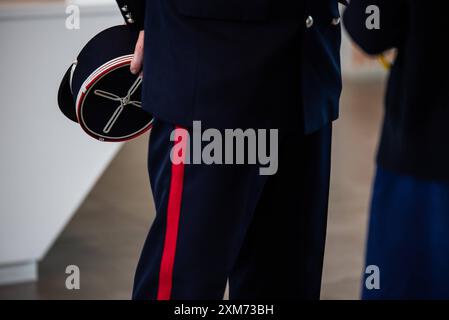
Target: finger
pixel 137 61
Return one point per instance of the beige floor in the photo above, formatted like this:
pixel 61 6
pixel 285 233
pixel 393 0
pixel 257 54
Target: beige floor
pixel 105 236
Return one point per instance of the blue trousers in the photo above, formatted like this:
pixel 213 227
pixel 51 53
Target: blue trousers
pixel 409 237
pixel 266 234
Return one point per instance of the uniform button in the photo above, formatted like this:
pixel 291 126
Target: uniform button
pixel 336 21
pixel 129 15
pixel 130 20
pixel 125 8
pixel 309 22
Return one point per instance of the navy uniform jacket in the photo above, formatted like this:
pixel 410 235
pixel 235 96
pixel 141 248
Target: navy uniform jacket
pixel 235 63
pixel 415 135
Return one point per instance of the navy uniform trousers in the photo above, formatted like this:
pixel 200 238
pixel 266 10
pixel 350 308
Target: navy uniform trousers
pixel 409 237
pixel 214 223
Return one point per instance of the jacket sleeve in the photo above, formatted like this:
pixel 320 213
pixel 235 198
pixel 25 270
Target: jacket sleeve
pixel 393 24
pixel 133 12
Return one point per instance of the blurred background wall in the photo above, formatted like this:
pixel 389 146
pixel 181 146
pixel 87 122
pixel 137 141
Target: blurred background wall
pixel 48 166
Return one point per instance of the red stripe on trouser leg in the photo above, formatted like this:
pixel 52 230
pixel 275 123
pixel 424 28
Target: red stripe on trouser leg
pixel 173 214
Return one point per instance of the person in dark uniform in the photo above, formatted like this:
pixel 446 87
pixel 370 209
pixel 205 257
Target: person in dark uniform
pixel 230 64
pixel 409 225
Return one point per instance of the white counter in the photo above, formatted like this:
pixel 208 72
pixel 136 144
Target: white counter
pixel 48 165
